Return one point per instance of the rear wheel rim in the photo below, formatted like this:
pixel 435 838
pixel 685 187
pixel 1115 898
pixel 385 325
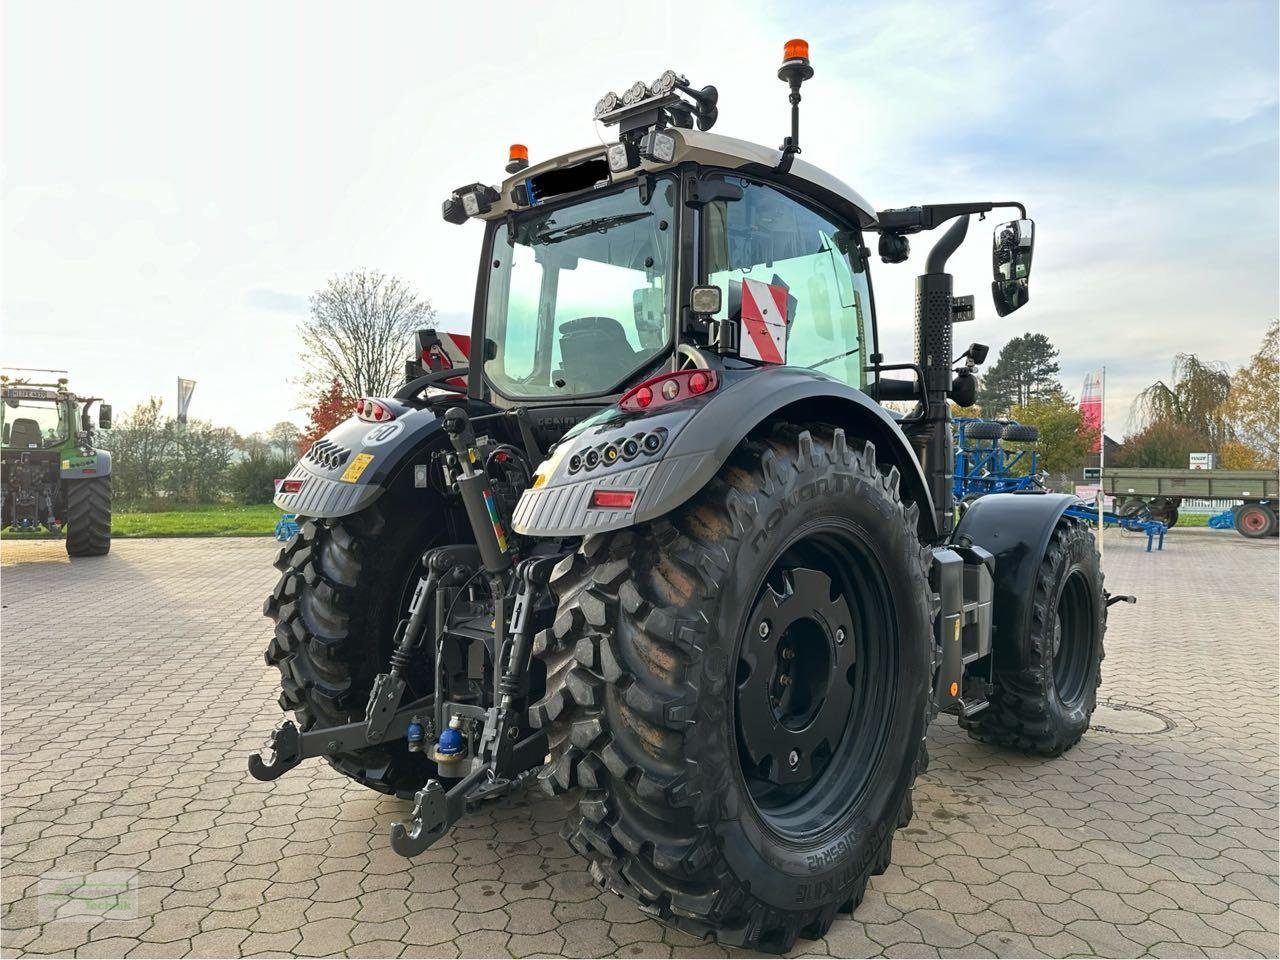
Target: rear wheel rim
pixel 808 746
pixel 1253 520
pixel 1072 639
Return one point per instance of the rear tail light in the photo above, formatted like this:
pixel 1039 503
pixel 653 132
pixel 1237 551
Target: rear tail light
pixel 669 388
pixel 291 486
pixel 613 499
pixel 374 411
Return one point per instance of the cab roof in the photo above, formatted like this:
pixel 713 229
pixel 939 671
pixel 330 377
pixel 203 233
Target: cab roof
pixel 712 150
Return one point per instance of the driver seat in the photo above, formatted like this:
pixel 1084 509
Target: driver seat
pixel 594 351
pixel 25 434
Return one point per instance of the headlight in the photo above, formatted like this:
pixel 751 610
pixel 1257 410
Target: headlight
pixel 606 104
pixel 664 84
pixel 635 93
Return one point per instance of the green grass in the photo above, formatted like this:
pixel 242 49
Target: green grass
pixel 210 520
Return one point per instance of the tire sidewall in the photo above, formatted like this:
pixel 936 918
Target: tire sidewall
pixel 1077 556
pixel 791 874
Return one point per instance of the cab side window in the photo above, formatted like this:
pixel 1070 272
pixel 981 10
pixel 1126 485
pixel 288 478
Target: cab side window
pixel 769 237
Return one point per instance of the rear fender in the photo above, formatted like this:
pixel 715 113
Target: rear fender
pixel 350 466
pixel 697 437
pixel 77 466
pixel 1015 528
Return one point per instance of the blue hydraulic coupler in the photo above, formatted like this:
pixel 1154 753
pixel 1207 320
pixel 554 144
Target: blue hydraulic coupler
pixel 416 736
pixel 450 743
pixel 451 751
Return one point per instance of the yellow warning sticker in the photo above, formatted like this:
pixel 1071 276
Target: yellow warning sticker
pixel 357 467
pixel 538 480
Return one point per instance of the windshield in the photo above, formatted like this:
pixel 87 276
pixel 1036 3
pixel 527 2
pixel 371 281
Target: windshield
pixel 579 298
pixel 33 424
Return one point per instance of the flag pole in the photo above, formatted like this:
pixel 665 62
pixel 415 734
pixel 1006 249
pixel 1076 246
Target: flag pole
pixel 1102 459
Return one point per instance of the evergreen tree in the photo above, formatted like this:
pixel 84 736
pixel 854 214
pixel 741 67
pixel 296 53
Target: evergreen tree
pixel 1025 371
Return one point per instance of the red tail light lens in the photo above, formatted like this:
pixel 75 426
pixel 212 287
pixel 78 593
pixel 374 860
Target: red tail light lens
pixel 374 411
pixel 291 486
pixel 669 388
pixel 613 499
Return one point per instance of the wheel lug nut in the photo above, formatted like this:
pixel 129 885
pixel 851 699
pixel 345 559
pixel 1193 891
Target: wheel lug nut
pixel 785 680
pixel 839 634
pixel 764 628
pixel 794 759
pixel 787 653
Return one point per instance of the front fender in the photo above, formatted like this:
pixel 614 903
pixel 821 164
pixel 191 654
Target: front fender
pixel 697 437
pixel 350 466
pixel 1015 528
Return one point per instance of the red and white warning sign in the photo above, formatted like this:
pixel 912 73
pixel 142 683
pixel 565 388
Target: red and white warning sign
pixel 764 322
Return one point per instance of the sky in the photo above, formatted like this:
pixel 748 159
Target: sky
pixel 178 178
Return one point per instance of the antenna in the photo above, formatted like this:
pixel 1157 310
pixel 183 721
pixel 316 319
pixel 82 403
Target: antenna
pixel 794 71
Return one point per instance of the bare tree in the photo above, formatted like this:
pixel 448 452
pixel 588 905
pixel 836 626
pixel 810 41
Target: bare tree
pixel 284 437
pixel 358 332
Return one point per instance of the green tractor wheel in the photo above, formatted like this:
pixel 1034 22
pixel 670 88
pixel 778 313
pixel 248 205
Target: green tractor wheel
pixel 88 517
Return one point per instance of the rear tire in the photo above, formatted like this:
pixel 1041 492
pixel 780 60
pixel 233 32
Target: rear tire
pixel 657 657
pixel 1255 521
pixel 88 520
pixel 341 592
pixel 1046 685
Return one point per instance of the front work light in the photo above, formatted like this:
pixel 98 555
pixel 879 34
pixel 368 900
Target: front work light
pixel 622 156
pixel 664 84
pixel 704 301
pixel 470 201
pixel 658 146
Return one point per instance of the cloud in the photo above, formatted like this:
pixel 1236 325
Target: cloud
pixel 150 225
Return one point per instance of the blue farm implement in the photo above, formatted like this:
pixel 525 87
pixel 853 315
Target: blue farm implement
pixel 983 466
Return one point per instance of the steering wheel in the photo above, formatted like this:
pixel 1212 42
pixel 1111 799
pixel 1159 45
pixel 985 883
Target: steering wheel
pixel 691 357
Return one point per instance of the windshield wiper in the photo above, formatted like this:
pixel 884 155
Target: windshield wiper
pixel 838 356
pixel 598 225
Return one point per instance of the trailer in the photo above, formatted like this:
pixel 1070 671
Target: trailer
pixel 1159 493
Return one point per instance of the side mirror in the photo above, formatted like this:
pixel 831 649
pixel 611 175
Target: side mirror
pixel 104 416
pixel 1011 248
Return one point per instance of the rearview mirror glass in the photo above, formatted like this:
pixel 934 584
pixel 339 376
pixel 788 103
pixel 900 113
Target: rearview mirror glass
pixel 104 416
pixel 1011 248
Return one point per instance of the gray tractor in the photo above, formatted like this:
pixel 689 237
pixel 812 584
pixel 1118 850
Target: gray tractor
pixel 52 477
pixel 652 537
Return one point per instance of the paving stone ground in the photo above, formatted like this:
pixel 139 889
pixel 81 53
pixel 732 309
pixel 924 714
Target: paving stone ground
pixel 133 687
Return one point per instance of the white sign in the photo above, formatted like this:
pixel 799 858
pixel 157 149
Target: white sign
pixel 1203 461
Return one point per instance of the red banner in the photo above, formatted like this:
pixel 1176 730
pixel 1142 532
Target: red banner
pixel 1091 409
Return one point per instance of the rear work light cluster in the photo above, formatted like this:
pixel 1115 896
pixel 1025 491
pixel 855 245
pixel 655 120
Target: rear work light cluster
pixel 668 388
pixel 374 411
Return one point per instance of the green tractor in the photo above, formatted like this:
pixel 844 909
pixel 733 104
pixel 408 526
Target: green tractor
pixel 51 475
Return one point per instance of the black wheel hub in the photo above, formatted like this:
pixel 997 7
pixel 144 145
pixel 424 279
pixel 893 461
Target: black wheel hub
pixel 794 679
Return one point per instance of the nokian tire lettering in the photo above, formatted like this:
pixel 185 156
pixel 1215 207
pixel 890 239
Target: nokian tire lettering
pixel 639 704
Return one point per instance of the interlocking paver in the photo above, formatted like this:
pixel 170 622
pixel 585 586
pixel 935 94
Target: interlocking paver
pixel 123 741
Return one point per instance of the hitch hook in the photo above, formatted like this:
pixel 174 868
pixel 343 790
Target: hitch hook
pixel 285 751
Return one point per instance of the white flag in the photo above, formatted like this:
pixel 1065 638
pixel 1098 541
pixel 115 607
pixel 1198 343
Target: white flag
pixel 185 389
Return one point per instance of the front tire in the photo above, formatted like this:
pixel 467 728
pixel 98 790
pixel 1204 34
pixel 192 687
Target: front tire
pixel 1046 684
pixel 88 520
pixel 661 682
